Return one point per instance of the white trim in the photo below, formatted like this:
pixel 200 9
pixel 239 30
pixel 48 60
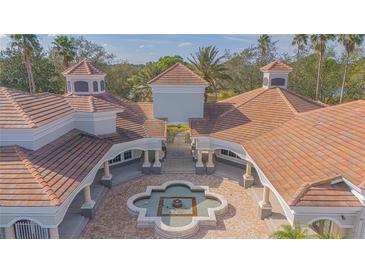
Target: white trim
pixel 161 228
pixel 51 217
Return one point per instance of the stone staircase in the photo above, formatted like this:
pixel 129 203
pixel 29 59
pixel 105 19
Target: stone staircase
pixel 178 158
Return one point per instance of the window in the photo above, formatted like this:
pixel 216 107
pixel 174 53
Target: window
pixel 81 86
pixel 128 155
pixel 95 86
pixel 117 159
pixel 26 229
pixel 278 82
pixel 102 85
pixel 224 152
pixel 68 86
pixel 229 153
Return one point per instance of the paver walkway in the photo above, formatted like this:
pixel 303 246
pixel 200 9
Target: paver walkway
pixel 112 219
pixel 178 158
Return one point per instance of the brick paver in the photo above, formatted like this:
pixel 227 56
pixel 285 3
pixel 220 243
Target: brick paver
pixel 112 219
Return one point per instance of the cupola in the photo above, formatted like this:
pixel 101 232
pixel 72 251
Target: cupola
pixel 276 75
pixel 84 79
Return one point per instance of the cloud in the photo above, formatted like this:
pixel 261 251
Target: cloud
pixel 2 36
pixel 237 38
pixel 185 44
pixel 52 35
pixel 145 46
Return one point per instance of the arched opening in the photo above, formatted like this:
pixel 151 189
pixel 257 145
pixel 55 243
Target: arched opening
pixel 328 228
pixel 95 86
pixel 278 82
pixel 81 86
pixel 27 229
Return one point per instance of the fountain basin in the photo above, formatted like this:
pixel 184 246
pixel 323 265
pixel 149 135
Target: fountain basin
pixel 176 209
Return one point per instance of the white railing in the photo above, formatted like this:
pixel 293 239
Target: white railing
pixel 26 229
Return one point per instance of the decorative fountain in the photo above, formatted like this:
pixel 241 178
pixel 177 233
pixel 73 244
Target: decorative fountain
pixel 176 209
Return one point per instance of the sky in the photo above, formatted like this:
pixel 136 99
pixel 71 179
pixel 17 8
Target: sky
pixel 139 49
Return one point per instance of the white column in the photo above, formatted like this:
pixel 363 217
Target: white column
pixel 199 162
pixel 10 232
pixel 146 159
pixel 87 196
pixel 53 233
pixel 107 175
pixel 157 158
pixel 248 169
pixel 210 158
pixel 266 196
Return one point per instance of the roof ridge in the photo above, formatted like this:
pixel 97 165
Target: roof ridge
pixel 87 65
pixel 287 101
pixel 28 164
pixel 18 106
pixel 163 73
pixel 91 103
pixel 331 107
pixel 304 188
pixel 241 104
pixel 173 67
pixel 304 97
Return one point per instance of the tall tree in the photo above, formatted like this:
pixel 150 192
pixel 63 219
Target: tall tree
pixel 208 64
pixel 27 43
pixel 319 42
pixel 350 42
pixel 300 41
pixel 65 48
pixel 266 50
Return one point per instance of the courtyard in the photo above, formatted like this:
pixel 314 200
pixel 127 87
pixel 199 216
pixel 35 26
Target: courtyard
pixel 112 219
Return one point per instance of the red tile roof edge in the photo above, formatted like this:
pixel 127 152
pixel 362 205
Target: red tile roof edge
pixel 173 67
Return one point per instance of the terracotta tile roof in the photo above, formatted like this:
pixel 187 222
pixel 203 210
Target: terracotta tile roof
pixel 312 147
pixel 84 67
pixel 135 122
pixel 178 74
pixel 47 176
pixel 276 66
pixel 244 117
pixel 91 104
pixel 327 194
pixel 24 110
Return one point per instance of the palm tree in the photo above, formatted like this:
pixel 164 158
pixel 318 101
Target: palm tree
pixel 65 48
pixel 207 63
pixel 264 43
pixel 350 42
pixel 326 236
pixel 300 41
pixel 319 43
pixel 27 43
pixel 289 232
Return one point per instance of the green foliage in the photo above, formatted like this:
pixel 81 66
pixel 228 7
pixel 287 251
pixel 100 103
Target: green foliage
pixel 173 130
pixel 141 91
pixel 65 49
pixel 289 232
pixel 95 53
pixel 118 78
pixel 13 72
pixel 208 64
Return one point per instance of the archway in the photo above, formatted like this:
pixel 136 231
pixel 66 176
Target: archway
pixel 27 229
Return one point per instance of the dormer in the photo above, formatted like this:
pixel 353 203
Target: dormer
pixel 84 79
pixel 276 75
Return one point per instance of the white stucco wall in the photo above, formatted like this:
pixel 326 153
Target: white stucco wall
pixel 178 103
